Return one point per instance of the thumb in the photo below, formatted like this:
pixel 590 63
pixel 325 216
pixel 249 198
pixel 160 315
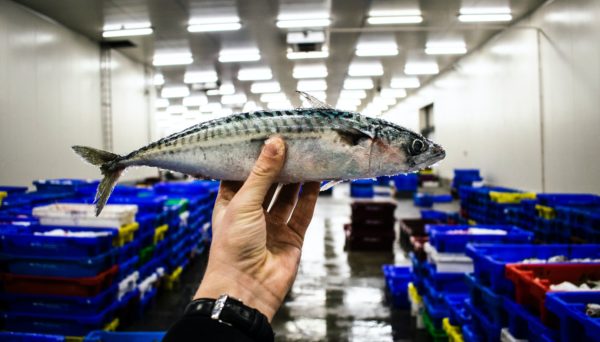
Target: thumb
pixel 263 175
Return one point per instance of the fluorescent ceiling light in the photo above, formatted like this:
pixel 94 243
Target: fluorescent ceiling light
pixel 358 83
pixel 265 87
pixel 234 99
pixel 126 26
pixel 394 12
pixel 307 55
pixel 353 94
pixel 279 105
pixel 239 55
pixel 158 80
pixel 404 19
pixel 421 68
pixel 172 59
pixel 482 18
pixel 214 27
pixel 175 91
pixel 200 77
pixel 365 69
pixel 349 101
pixel 273 97
pixel 224 89
pixel 448 48
pixel 250 106
pixel 309 71
pixel 210 107
pixel 394 93
pixel 388 101
pixel 376 49
pixel 303 15
pixel 255 74
pixel 196 100
pixel 214 24
pixel 161 103
pixel 311 85
pixel 303 23
pixel 485 10
pixel 405 82
pixel 127 33
pixel 176 109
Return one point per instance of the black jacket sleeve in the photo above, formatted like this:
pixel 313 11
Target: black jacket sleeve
pixel 204 329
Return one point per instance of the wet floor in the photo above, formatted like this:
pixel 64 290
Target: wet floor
pixel 338 295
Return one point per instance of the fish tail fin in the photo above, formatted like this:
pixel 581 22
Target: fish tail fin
pixel 109 167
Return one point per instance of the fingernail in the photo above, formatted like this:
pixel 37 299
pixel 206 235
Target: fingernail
pixel 272 147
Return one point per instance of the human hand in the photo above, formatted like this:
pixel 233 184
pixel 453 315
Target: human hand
pixel 255 254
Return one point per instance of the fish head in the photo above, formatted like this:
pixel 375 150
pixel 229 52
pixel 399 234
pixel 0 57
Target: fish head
pixel 407 151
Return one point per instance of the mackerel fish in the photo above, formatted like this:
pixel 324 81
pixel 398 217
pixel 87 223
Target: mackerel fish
pixel 322 144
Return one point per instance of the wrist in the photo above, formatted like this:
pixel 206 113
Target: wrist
pixel 238 285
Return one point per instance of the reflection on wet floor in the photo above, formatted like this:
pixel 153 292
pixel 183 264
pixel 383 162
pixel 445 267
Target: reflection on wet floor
pixel 340 295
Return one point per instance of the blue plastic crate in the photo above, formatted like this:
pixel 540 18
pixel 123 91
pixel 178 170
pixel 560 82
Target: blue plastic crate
pixel 128 251
pixel 439 284
pixel 13 190
pixel 443 241
pixel 59 266
pixel 469 334
pixel 63 324
pixel 436 310
pixel 423 200
pixel 489 259
pixel 186 188
pixel 467 174
pixel 524 325
pixel 486 301
pixel 31 199
pixel 397 279
pixel 147 300
pixel 457 312
pixel 48 304
pixel 105 336
pixel 128 267
pixel 150 267
pixel 9 336
pixel 25 242
pixel 406 182
pixel 483 327
pixel 552 200
pixel 66 185
pixel 362 188
pixel 434 215
pixel 575 325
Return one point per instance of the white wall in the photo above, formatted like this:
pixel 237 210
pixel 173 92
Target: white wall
pixel 130 107
pixel 50 99
pixel 524 128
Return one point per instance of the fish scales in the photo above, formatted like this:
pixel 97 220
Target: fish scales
pixel 321 144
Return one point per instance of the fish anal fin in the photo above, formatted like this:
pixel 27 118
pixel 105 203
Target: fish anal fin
pixel 330 185
pixel 316 103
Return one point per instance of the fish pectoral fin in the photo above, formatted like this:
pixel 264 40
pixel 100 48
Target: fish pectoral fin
pixel 316 103
pixel 330 185
pixel 352 136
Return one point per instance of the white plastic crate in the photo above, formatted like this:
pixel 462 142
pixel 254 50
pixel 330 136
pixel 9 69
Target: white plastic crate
pixel 448 262
pixel 84 215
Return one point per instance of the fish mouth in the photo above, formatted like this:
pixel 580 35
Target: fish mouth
pixel 434 155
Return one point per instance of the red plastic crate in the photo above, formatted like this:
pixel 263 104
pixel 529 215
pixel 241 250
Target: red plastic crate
pixel 82 287
pixel 532 282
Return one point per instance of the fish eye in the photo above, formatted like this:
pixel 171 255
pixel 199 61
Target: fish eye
pixel 417 147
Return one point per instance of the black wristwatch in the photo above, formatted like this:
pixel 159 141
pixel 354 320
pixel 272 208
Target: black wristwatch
pixel 233 312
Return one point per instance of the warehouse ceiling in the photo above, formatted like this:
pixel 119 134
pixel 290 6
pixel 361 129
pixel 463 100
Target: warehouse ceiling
pixel 348 26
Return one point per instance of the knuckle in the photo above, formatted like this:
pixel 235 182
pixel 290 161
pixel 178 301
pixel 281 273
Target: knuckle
pixel 262 169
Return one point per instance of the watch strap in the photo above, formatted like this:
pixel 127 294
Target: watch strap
pixel 233 312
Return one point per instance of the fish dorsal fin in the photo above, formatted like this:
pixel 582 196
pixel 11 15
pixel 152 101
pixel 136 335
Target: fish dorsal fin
pixel 316 103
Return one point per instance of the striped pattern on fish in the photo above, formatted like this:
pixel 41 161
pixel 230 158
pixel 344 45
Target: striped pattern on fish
pixel 322 144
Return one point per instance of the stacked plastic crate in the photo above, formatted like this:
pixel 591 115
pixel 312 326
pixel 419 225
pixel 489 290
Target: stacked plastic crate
pixel 362 188
pixel 488 205
pixel 372 226
pixel 511 297
pixel 568 217
pixel 62 276
pixel 464 177
pixel 440 279
pixel 427 200
pixel 406 185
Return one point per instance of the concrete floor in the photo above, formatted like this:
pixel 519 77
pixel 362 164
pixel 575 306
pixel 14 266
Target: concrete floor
pixel 338 295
